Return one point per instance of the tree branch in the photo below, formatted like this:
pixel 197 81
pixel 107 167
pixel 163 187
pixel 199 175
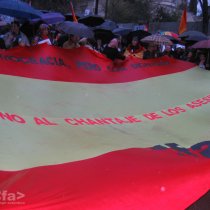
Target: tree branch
pixel 201 3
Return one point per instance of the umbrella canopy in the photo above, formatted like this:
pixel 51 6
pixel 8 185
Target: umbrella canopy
pixel 77 29
pixel 2 23
pixel 204 44
pixel 169 33
pixel 171 36
pixel 30 29
pixel 92 20
pixel 108 25
pixel 18 9
pixel 50 18
pixel 174 40
pixel 104 35
pixel 196 38
pixel 122 31
pixel 69 16
pixel 139 33
pixel 156 39
pixel 188 34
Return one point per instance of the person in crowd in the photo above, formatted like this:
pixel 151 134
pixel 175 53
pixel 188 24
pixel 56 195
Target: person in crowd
pixel 60 39
pixel 85 42
pixel 2 44
pixel 99 45
pixel 179 53
pixel 56 39
pixel 168 51
pixel 15 37
pixel 42 36
pixel 190 57
pixel 135 49
pixel 121 44
pixel 151 52
pixel 72 42
pixel 202 61
pixel 111 51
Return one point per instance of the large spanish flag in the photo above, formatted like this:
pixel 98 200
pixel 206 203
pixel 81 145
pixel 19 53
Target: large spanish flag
pixel 80 133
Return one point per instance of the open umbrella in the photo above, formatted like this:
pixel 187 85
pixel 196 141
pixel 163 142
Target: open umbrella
pixel 91 20
pixel 204 44
pixel 30 29
pixel 69 16
pixel 122 31
pixel 77 29
pixel 169 34
pixel 104 35
pixel 193 36
pixel 107 25
pixel 139 33
pixel 2 23
pixel 50 18
pixel 192 33
pixel 174 40
pixel 18 9
pixel 157 39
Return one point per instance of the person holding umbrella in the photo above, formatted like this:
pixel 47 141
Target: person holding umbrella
pixel 202 61
pixel 151 52
pixel 15 37
pixel 42 36
pixel 111 51
pixel 134 49
pixel 72 42
pixel 203 45
pixel 168 51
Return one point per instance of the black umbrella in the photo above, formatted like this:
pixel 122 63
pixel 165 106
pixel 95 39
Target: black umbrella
pixel 104 35
pixel 91 20
pixel 77 29
pixel 30 29
pixel 69 16
pixel 139 33
pixel 18 9
pixel 122 31
pixel 188 34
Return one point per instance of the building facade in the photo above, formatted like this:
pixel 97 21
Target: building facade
pixel 171 5
pixel 87 7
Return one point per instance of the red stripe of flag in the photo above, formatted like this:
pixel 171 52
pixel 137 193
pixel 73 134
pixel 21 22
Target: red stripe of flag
pixel 183 22
pixel 73 13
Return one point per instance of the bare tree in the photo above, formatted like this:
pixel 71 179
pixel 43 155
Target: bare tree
pixel 54 5
pixel 193 6
pixel 128 10
pixel 204 8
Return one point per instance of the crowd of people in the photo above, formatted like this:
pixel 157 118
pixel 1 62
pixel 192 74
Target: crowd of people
pixel 116 48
